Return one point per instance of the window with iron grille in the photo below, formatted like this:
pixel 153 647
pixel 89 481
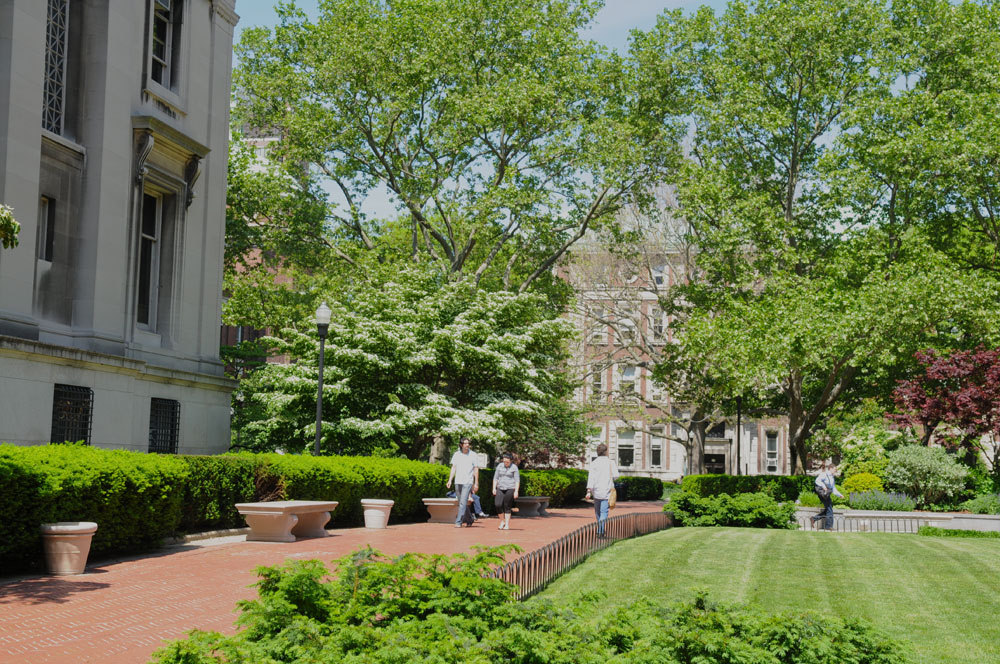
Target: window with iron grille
pixel 56 39
pixel 164 425
pixel 72 407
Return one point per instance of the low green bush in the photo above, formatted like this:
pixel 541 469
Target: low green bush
pixel 881 500
pixel 743 510
pixel 953 532
pixel 642 488
pixel 862 482
pixel 215 484
pixel 448 610
pixel 136 499
pixel 563 486
pixel 810 499
pixel 988 504
pixel 780 487
pixel 929 474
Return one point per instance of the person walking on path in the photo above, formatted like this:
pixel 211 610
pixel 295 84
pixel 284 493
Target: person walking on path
pixel 600 482
pixel 506 482
pixel 826 489
pixel 465 472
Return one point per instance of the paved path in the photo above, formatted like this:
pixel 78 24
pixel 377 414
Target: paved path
pixel 120 611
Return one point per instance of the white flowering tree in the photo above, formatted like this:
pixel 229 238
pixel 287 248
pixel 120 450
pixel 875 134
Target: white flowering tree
pixel 9 228
pixel 408 361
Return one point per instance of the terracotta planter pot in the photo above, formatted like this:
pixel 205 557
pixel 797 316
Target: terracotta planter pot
pixel 376 512
pixel 67 545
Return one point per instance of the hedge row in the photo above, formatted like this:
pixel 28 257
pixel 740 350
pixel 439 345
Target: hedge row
pixel 138 499
pixel 780 487
pixel 642 488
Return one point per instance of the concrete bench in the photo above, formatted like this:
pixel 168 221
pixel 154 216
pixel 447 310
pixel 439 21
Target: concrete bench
pixel 442 510
pixel 286 520
pixel 532 505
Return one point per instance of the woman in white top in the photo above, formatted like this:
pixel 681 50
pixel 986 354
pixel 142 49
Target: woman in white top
pixel 600 482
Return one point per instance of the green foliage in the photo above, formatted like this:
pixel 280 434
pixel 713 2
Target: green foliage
pixel 988 504
pixel 214 485
pixel 136 499
pixel 780 487
pixel 931 531
pixel 862 482
pixel 743 510
pixel 444 610
pixel 642 488
pixel 9 228
pixel 882 501
pixel 563 486
pixel 928 474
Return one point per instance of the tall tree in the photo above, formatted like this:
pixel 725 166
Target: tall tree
pixel 500 134
pixel 810 282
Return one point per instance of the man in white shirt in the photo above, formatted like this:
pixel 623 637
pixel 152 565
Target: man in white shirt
pixel 600 482
pixel 465 472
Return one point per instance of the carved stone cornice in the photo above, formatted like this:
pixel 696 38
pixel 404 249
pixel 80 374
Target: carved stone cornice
pixel 192 170
pixel 226 9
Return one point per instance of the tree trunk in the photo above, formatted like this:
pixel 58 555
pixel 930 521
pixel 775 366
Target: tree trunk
pixel 696 449
pixel 798 432
pixel 439 450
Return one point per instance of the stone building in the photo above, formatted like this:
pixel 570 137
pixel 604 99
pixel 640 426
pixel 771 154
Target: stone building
pixel 114 122
pixel 621 330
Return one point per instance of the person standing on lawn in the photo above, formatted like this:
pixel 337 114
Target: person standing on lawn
pixel 506 482
pixel 600 483
pixel 465 472
pixel 826 488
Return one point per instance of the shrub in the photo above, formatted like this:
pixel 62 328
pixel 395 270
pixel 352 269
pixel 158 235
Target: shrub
pixel 780 487
pixel 809 499
pixel 135 499
pixel 745 510
pixel 862 482
pixel 880 500
pixel 563 486
pixel 215 484
pixel 988 504
pixel 642 488
pixel 953 532
pixel 447 610
pixel 928 474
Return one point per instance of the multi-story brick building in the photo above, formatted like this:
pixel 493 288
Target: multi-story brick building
pixel 622 331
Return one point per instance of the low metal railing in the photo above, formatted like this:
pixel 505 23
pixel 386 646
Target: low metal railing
pixel 533 571
pixel 864 524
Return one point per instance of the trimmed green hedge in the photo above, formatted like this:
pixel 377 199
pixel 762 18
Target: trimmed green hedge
pixel 931 531
pixel 741 510
pixel 138 499
pixel 642 488
pixel 780 487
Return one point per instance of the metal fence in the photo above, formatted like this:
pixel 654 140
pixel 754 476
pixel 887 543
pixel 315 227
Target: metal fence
pixel 865 524
pixel 533 571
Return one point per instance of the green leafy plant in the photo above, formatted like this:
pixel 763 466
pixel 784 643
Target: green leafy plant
pixel 9 228
pixel 928 474
pixel 642 488
pixel 747 510
pixel 780 487
pixel 880 500
pixel 988 504
pixel 931 531
pixel 862 482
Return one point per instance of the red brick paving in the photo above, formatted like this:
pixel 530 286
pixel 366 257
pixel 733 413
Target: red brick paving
pixel 120 611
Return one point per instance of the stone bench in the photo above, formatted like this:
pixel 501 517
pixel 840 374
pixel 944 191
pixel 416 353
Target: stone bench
pixel 532 505
pixel 286 520
pixel 442 510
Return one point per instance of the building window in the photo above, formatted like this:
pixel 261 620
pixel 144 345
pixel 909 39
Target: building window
pixel 659 275
pixel 165 39
pixel 56 47
pixel 597 383
pixel 626 448
pixel 149 259
pixel 658 325
pixel 655 390
pixel 598 328
pixel 717 431
pixel 656 442
pixel 626 325
pixel 772 451
pixel 72 408
pixel 46 228
pixel 164 425
pixel 626 384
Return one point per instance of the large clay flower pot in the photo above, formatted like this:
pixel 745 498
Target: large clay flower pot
pixel 376 512
pixel 67 545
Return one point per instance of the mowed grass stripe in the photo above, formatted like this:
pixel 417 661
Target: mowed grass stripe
pixel 941 595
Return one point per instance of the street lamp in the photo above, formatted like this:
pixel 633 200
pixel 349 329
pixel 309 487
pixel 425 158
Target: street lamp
pixel 322 325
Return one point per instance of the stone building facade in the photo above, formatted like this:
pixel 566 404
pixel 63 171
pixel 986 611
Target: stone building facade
pixel 114 124
pixel 621 329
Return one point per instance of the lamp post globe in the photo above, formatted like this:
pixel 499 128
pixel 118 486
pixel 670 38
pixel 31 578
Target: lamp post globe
pixel 323 314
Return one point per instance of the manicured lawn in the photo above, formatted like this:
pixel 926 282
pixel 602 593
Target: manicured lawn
pixel 942 595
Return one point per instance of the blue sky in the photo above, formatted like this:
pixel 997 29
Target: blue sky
pixel 611 28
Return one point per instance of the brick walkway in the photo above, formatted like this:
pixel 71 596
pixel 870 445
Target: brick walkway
pixel 120 611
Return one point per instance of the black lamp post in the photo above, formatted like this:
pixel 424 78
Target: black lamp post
pixel 322 325
pixel 739 429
